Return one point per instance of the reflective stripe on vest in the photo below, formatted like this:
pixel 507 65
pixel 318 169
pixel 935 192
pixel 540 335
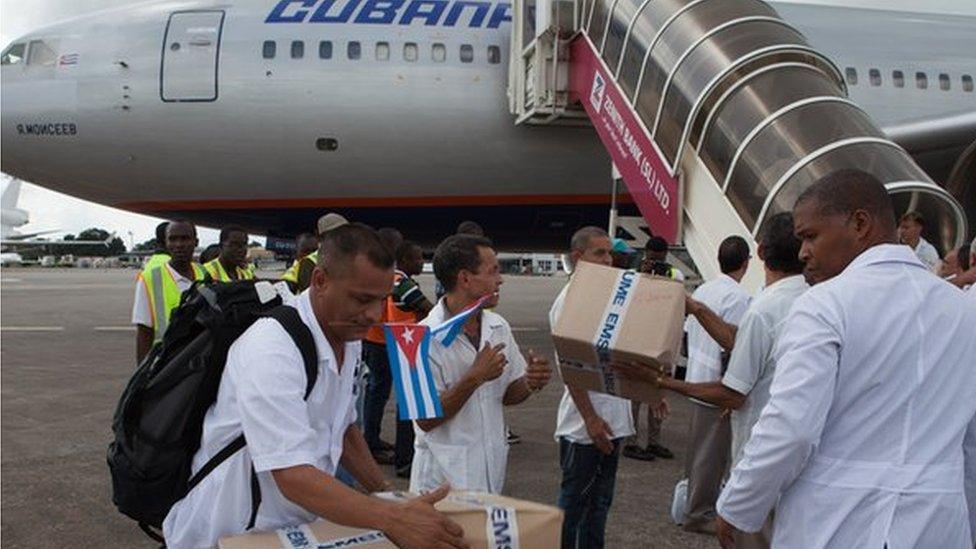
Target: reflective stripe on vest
pixel 291 275
pixel 164 296
pixel 217 272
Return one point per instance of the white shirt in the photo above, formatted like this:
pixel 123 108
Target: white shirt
pixel 726 298
pixel 613 410
pixel 142 308
pixel 862 439
pixel 752 363
pixel 927 253
pixel 261 392
pixel 470 450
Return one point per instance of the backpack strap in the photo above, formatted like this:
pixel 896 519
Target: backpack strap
pixel 292 322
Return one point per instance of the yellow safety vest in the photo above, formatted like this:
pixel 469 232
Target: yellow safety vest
pixel 155 260
pixel 217 272
pixel 164 295
pixel 291 275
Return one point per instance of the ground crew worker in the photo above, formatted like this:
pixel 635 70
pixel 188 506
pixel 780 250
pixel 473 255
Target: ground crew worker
pixel 293 444
pixel 299 275
pixel 160 255
pixel 861 442
pixel 232 263
pixel 158 290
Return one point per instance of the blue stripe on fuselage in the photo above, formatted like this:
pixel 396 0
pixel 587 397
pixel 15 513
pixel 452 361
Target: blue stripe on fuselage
pixel 445 13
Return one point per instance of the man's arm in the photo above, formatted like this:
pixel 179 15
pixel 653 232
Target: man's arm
pixel 413 524
pixel 596 427
pixel 358 460
pixel 712 392
pixel 144 341
pixel 488 365
pixel 792 423
pixel 721 331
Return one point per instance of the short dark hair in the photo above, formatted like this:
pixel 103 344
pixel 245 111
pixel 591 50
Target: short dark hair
pixel 181 221
pixel 581 238
pixel 733 253
pixel 303 236
pixel 161 232
pixel 913 216
pixel 405 249
pixel 391 238
pixel 471 228
pixel 229 230
pixel 842 192
pixel 656 244
pixel 210 253
pixel 962 256
pixel 342 245
pixel 455 254
pixel 781 247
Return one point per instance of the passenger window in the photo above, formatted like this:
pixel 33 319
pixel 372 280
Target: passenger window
pixel 297 49
pixel 851 76
pixel 354 50
pixel 494 55
pixel 325 49
pixel 410 51
pixel 467 53
pixel 14 54
pixel 382 51
pixel 898 78
pixel 921 80
pixel 438 53
pixel 944 83
pixel 967 83
pixel 875 76
pixel 40 54
pixel 269 49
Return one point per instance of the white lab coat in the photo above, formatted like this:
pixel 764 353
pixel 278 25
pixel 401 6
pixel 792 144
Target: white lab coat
pixel 862 439
pixel 470 450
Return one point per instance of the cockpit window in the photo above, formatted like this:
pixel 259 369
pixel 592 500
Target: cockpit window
pixel 41 54
pixel 14 54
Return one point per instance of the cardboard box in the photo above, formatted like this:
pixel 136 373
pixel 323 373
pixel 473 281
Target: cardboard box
pixel 508 521
pixel 616 315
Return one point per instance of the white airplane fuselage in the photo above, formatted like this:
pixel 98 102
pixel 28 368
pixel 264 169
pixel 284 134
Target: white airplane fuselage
pixel 124 117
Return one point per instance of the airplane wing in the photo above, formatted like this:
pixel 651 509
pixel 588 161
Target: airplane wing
pixel 35 243
pixel 952 130
pixel 21 237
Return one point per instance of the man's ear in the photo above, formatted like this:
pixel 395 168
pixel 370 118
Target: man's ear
pixel 761 251
pixel 320 278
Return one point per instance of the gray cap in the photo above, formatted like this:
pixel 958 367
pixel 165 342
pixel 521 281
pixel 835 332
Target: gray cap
pixel 330 221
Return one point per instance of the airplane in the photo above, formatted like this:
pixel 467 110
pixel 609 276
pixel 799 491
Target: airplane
pixel 12 217
pixel 266 113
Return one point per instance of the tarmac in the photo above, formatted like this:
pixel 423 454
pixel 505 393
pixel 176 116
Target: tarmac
pixel 67 348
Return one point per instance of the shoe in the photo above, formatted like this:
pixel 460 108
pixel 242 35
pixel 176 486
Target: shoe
pixel 403 472
pixel 383 457
pixel 384 446
pixel 633 451
pixel 660 451
pixel 513 438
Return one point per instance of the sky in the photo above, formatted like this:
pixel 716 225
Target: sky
pixel 49 209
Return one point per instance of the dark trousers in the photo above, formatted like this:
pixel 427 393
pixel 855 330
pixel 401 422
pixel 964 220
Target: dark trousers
pixel 586 492
pixel 377 394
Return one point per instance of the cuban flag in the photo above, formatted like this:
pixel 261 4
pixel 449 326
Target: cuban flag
pixel 408 346
pixel 448 330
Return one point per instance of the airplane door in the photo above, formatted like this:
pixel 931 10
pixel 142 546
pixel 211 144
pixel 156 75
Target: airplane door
pixel 191 56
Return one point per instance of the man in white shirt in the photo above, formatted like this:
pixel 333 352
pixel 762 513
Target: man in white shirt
pixel 294 445
pixel 590 428
pixel 744 387
pixel 479 373
pixel 708 453
pixel 861 442
pixel 910 233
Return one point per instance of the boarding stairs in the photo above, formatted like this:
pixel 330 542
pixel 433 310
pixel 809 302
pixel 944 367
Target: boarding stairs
pixel 716 113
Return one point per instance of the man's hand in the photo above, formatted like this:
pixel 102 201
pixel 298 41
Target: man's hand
pixel 600 433
pixel 725 533
pixel 489 363
pixel 538 372
pixel 417 525
pixel 661 410
pixel 637 371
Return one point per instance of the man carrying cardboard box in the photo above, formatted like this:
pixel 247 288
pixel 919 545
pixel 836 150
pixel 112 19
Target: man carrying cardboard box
pixel 590 428
pixel 476 374
pixel 283 475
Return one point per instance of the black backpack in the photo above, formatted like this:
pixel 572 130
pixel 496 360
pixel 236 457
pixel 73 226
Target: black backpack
pixel 159 419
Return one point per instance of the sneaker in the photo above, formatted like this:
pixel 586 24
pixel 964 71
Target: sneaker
pixel 660 451
pixel 383 457
pixel 385 446
pixel 512 437
pixel 403 472
pixel 633 451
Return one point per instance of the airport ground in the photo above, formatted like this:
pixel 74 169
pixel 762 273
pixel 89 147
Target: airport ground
pixel 67 350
